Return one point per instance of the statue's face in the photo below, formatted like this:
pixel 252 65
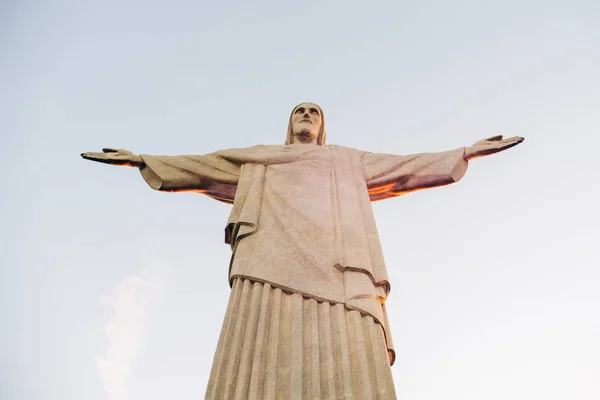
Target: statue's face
pixel 306 123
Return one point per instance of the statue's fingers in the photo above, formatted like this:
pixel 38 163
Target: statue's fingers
pixel 514 139
pixel 93 156
pixel 104 158
pixel 511 141
pixel 110 150
pixel 98 158
pixel 495 138
pixel 507 146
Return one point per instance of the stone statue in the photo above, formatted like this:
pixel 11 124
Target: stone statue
pixel 306 317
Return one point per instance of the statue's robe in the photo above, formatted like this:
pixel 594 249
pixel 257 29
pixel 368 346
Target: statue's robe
pixel 305 252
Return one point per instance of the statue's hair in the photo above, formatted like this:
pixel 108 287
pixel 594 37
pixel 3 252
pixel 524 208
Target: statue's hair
pixel 322 135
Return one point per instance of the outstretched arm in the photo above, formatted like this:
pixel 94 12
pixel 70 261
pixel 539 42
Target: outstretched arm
pixel 209 174
pixel 389 175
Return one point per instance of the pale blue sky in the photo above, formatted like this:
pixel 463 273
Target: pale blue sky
pixel 494 280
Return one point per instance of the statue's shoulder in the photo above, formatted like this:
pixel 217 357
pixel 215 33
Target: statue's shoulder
pixel 264 148
pixel 344 148
pixel 259 148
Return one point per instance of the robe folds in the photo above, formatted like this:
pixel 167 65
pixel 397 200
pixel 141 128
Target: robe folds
pixel 301 219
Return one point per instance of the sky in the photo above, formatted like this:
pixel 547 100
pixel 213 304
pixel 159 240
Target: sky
pixel 110 290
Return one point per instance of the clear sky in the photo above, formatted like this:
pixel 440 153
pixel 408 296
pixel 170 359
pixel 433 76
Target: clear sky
pixel 109 290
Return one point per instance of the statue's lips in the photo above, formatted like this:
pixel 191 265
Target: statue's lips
pixel 306 120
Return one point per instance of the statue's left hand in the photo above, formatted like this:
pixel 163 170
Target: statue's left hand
pixel 115 157
pixel 492 145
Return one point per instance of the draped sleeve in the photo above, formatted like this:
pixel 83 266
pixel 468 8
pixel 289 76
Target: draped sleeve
pixel 389 175
pixel 210 174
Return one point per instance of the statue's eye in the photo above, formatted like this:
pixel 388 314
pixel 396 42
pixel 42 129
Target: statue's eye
pixel 314 111
pixel 300 110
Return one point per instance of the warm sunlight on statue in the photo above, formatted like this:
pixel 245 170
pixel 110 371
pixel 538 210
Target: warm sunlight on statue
pixel 306 316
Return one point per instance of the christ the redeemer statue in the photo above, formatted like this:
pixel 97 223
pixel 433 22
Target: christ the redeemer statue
pixel 306 317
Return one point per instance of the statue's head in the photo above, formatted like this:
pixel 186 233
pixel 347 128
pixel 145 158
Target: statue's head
pixel 306 125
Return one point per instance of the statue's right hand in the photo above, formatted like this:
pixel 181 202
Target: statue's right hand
pixel 115 157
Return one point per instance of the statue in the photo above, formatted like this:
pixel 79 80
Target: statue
pixel 306 317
